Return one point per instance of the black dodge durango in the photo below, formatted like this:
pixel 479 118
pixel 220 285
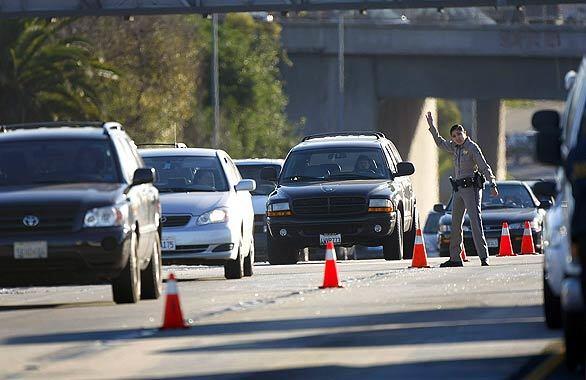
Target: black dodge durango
pixel 349 188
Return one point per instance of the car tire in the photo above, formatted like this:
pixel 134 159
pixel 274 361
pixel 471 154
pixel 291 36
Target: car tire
pixel 234 269
pixel 279 254
pixel 249 262
pixel 151 278
pixel 126 287
pixel 409 237
pixel 393 244
pixel 575 339
pixel 552 306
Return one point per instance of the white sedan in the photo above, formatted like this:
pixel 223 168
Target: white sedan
pixel 207 213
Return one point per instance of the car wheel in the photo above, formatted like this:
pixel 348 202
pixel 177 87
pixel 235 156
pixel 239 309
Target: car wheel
pixel 126 287
pixel 234 269
pixel 249 262
pixel 393 244
pixel 552 307
pixel 151 278
pixel 409 237
pixel 279 254
pixel 575 339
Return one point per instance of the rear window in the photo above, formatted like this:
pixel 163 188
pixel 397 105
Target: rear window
pixel 263 187
pixel 57 162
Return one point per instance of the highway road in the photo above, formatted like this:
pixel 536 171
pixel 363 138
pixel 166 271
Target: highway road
pixel 387 322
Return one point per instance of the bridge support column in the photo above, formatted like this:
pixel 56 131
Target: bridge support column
pixel 491 134
pixel 403 122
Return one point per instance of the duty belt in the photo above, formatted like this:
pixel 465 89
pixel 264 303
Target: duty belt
pixel 476 181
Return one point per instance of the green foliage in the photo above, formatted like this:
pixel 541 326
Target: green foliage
pixel 164 85
pixel 46 76
pixel 252 101
pixel 448 114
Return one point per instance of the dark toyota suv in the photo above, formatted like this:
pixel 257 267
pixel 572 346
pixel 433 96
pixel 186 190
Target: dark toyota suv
pixel 349 188
pixel 77 206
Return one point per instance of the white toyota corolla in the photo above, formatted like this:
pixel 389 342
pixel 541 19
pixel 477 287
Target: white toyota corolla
pixel 207 209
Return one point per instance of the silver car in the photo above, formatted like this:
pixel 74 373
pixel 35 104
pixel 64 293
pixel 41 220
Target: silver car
pixel 207 213
pixel 252 169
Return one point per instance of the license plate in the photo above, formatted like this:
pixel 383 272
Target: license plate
pixel 30 250
pixel 492 243
pixel 334 238
pixel 168 244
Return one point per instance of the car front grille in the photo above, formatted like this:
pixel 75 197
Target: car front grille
pixel 190 249
pixel 175 220
pixel 329 206
pixel 344 229
pixel 38 219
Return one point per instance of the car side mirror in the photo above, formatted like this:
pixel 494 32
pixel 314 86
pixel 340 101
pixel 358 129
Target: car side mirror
pixel 269 174
pixel 545 189
pixel 548 139
pixel 405 168
pixel 246 185
pixel 545 204
pixel 439 207
pixel 143 175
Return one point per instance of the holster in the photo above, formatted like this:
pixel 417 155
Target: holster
pixel 479 180
pixel 454 184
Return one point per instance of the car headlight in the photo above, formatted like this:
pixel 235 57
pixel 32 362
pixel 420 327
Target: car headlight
pixel 215 216
pixel 279 209
pixel 380 205
pixel 108 216
pixel 444 228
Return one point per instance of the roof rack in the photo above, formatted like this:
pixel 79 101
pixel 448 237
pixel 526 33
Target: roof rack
pixel 174 145
pixel 107 126
pixel 378 135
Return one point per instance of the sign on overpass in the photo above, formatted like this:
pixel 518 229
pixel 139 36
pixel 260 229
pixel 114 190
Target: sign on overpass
pixel 54 8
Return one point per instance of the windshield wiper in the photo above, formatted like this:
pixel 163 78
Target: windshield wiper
pixel 297 178
pixel 184 190
pixel 348 176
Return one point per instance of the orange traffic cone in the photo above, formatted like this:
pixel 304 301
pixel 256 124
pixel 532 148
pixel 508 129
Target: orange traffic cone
pixel 419 259
pixel 173 315
pixel 463 254
pixel 505 246
pixel 527 247
pixel 331 272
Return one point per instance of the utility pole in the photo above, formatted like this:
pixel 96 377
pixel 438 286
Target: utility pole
pixel 215 83
pixel 341 71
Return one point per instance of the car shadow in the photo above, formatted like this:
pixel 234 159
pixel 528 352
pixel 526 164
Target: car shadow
pixel 444 325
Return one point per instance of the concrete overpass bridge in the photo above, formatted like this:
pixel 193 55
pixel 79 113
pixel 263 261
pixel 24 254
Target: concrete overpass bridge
pixel 393 72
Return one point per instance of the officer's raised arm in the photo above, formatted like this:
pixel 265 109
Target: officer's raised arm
pixel 483 166
pixel 439 140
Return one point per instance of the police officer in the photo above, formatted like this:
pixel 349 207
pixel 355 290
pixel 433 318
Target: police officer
pixel 470 167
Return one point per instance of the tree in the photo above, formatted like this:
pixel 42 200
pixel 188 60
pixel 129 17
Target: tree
pixel 252 100
pixel 45 76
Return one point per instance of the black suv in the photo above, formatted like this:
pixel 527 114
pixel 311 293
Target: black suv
pixel 77 206
pixel 349 188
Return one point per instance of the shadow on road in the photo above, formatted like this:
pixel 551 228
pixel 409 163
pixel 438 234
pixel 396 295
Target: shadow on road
pixel 449 325
pixel 448 369
pixel 55 305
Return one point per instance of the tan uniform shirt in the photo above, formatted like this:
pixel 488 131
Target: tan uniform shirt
pixel 468 157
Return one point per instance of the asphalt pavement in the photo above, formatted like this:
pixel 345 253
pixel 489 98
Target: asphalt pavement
pixel 387 322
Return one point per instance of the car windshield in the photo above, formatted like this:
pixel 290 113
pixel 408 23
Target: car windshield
pixel 334 164
pixel 510 196
pixel 263 187
pixel 25 163
pixel 179 174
